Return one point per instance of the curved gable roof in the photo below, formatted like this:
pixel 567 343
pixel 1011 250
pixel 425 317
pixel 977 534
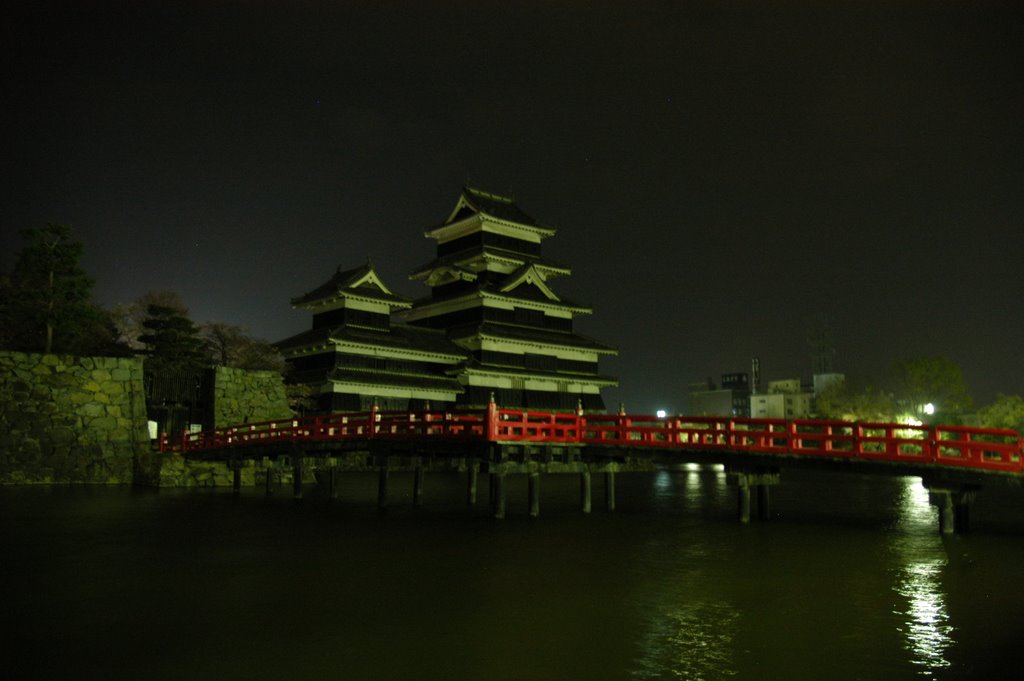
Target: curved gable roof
pixel 361 281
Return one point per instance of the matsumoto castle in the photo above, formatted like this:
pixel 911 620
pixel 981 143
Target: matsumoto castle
pixel 490 325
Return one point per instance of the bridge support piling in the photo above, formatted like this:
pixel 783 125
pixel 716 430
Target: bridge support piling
pixel 382 486
pixel 761 479
pixel 269 480
pixel 498 491
pixel 743 501
pixel 534 492
pixel 472 470
pixel 236 478
pixel 585 491
pixel 609 490
pixel 332 482
pixel 417 486
pixel 954 505
pixel 297 477
pixel 764 511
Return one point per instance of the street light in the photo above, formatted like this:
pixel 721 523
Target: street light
pixel 661 413
pixel 929 409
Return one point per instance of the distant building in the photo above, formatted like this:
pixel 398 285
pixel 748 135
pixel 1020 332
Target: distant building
pixel 789 398
pixel 491 325
pixel 785 399
pixel 731 399
pixel 823 381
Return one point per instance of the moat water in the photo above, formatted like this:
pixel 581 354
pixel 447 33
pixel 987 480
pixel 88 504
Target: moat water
pixel 850 579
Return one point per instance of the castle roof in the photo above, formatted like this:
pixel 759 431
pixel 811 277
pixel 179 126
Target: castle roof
pixel 525 334
pixel 374 378
pixel 485 253
pixel 495 205
pixel 401 337
pixel 361 282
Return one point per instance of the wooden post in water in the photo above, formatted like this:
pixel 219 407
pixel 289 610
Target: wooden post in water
pixel 332 482
pixel 534 492
pixel 472 469
pixel 269 480
pixel 417 486
pixel 498 486
pixel 763 503
pixel 760 478
pixel 743 499
pixel 585 491
pixel 954 504
pixel 236 477
pixel 382 486
pixel 943 500
pixel 609 490
pixel 297 477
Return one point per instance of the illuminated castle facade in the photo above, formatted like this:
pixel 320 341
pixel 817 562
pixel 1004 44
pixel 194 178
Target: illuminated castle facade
pixel 491 325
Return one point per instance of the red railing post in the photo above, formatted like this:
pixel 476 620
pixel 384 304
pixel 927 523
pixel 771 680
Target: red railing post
pixel 491 425
pixel 373 420
pixel 933 444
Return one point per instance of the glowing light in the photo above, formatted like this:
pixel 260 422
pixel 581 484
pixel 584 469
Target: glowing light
pixel 661 413
pixel 929 409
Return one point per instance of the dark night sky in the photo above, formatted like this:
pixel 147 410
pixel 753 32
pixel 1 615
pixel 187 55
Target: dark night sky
pixel 720 173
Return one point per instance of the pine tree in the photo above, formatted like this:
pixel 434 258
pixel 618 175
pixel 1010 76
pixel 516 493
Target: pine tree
pixel 171 340
pixel 45 303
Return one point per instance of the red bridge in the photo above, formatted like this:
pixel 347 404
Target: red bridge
pixel 952 460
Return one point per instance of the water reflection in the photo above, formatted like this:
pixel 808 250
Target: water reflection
pixel 687 625
pixel 691 640
pixel 922 558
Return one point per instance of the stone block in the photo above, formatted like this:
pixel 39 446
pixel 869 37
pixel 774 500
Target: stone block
pixel 112 388
pixel 91 409
pixel 100 375
pixel 62 435
pixel 103 423
pixel 119 435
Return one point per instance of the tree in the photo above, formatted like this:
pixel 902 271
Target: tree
pixel 46 302
pixel 934 380
pixel 171 340
pixel 129 317
pixel 855 400
pixel 228 345
pixel 1006 412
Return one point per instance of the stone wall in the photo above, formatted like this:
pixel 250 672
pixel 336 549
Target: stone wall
pixel 67 419
pixel 170 469
pixel 241 396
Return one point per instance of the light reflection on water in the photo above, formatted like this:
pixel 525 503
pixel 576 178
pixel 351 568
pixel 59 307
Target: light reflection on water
pixel 689 626
pixel 689 640
pixel 922 559
pixel 849 581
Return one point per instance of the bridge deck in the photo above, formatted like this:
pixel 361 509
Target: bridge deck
pixel 905 448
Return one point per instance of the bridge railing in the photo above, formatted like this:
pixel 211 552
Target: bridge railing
pixel 992 449
pixel 979 448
